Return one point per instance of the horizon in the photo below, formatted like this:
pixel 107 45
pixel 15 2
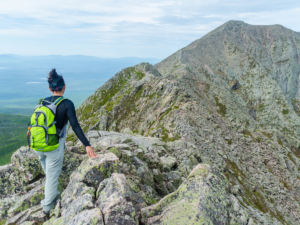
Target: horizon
pixel 11 54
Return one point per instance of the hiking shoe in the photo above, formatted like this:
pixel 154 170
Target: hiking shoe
pixel 47 214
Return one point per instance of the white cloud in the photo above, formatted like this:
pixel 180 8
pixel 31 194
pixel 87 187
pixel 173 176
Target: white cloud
pixel 133 23
pixel 34 82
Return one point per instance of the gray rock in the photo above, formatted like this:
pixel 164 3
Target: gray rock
pixel 88 217
pixel 22 216
pixel 78 205
pixel 93 134
pixel 201 199
pixel 55 221
pixel 81 192
pixel 26 164
pixel 115 201
pixel 168 163
pixel 29 223
pixel 38 216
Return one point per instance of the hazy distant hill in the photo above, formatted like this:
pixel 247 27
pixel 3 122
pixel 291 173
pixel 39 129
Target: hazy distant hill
pixel 23 80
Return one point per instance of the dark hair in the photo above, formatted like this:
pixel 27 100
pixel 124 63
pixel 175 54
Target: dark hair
pixel 52 75
pixel 56 82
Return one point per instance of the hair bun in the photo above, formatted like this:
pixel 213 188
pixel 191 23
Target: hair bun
pixel 53 73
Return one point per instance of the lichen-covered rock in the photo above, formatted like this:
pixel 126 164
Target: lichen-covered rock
pixel 38 216
pixel 29 223
pixel 201 199
pixel 23 202
pixel 168 163
pixel 115 202
pixel 81 192
pixel 25 172
pixel 23 216
pixel 81 203
pixel 88 217
pixel 26 164
pixel 24 169
pixel 55 221
pixel 22 182
pixel 6 185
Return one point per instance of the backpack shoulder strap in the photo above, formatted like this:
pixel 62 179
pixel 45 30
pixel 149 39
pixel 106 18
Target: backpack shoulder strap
pixel 40 101
pixel 59 100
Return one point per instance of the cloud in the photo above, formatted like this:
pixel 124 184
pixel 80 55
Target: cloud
pixel 34 82
pixel 75 25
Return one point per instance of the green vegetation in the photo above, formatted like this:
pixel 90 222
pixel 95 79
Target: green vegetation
pixel 139 75
pixel 267 135
pixel 172 107
pixel 253 197
pixel 17 111
pixel 128 106
pixel 165 134
pixel 222 108
pixel 229 141
pixel 105 97
pixel 13 130
pixel 116 151
pixel 261 107
pixel 285 111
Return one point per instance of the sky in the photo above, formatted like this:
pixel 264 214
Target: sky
pixel 127 28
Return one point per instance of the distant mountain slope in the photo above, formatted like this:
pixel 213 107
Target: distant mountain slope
pixel 13 130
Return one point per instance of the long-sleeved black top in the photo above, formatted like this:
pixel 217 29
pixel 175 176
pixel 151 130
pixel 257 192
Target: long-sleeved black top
pixel 65 112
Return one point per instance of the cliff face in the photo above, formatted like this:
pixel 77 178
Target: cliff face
pixel 212 130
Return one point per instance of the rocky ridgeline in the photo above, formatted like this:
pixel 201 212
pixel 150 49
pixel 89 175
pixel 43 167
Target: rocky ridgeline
pixel 135 180
pixel 208 136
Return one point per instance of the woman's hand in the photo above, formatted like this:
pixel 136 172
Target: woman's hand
pixel 90 152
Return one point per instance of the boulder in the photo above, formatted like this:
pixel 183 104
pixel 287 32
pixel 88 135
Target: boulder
pixel 93 216
pixel 23 216
pixel 115 202
pixel 81 191
pixel 26 164
pixel 201 199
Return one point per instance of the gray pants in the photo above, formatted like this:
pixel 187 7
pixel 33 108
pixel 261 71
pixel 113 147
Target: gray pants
pixel 52 164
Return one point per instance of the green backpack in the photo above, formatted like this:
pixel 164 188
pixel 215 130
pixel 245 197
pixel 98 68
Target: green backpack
pixel 42 134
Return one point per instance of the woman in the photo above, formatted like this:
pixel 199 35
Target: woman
pixel 52 161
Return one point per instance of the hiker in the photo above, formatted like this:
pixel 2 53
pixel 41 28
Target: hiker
pixel 48 138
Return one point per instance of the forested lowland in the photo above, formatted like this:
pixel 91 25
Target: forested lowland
pixel 12 135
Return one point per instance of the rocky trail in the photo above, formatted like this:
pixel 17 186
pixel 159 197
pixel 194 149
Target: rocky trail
pixel 131 182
